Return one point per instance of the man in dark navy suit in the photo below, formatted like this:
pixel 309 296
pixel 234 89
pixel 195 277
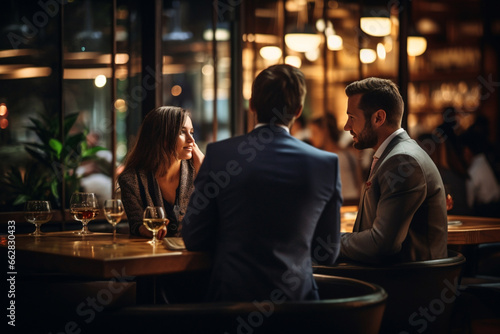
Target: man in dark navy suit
pixel 266 204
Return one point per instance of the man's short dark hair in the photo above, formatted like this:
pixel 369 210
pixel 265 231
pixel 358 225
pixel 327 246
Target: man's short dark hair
pixel 378 94
pixel 277 93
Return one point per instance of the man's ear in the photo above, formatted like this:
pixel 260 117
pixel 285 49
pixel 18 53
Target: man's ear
pixel 299 112
pixel 378 118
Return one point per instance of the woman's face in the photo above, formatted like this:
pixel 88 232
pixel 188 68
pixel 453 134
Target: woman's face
pixel 185 141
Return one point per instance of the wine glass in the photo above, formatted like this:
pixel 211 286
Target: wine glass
pixel 38 213
pixel 113 211
pixel 84 207
pixel 154 219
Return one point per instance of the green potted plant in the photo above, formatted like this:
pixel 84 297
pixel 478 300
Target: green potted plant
pixel 54 162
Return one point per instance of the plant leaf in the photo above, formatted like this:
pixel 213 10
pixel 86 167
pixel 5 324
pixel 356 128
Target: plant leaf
pixel 88 153
pixel 21 199
pixel 54 190
pixel 56 145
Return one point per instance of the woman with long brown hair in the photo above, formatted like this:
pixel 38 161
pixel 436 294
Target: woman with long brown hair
pixel 160 169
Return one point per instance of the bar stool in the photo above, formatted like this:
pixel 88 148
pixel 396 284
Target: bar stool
pixel 346 306
pixel 421 293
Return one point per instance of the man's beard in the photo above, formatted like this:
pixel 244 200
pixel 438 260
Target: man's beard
pixel 367 138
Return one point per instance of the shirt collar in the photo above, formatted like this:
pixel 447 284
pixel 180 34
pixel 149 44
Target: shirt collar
pixel 258 125
pixel 386 142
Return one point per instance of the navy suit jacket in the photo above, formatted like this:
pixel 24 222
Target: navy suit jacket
pixel 265 204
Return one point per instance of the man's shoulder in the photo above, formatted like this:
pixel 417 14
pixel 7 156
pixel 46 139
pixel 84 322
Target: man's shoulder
pixel 224 143
pixel 312 151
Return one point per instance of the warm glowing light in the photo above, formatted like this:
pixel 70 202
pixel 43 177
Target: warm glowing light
pixel 295 6
pixel 334 43
pixel 367 56
pixel 302 42
pixel 381 51
pixel 17 53
pixel 4 123
pixel 416 45
pixel 3 109
pixel 176 90
pixel 207 70
pixel 121 105
pixel 220 34
pixel 270 52
pixel 19 72
pixel 121 58
pixel 312 55
pixel 293 61
pixel 100 81
pixel 320 25
pixel 388 44
pixel 427 26
pixel 376 26
pixel 208 94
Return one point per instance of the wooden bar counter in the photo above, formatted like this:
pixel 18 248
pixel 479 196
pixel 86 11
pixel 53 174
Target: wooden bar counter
pixel 473 230
pixel 98 256
pixel 462 230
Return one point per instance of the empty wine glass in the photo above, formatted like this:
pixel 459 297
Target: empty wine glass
pixel 38 213
pixel 113 211
pixel 154 219
pixel 84 207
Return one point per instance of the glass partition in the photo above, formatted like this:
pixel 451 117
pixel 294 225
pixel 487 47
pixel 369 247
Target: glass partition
pixel 30 88
pixel 78 70
pixel 191 79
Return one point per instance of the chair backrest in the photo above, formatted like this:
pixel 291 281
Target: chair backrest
pixel 349 306
pixel 421 293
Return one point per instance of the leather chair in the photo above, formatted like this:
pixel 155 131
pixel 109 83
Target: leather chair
pixel 347 306
pixel 55 303
pixel 421 294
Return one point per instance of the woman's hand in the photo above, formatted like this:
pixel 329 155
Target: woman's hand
pixel 198 157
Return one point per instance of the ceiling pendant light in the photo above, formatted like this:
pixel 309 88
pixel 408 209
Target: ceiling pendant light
pixel 272 53
pixel 367 56
pixel 304 39
pixel 375 22
pixel 416 45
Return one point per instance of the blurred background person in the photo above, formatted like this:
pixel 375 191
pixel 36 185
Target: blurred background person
pixel 300 130
pixel 443 147
pixel 325 134
pixel 96 173
pixel 483 189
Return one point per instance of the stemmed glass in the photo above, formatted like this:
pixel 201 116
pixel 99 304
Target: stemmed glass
pixel 38 213
pixel 84 207
pixel 154 219
pixel 113 211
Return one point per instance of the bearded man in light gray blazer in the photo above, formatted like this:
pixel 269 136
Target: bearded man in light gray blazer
pixel 402 211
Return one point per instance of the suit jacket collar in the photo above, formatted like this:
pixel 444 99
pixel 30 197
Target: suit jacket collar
pixel 284 127
pixel 275 128
pixel 403 136
pixel 399 138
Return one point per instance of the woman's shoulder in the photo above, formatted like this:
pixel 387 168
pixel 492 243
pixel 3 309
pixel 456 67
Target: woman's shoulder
pixel 188 165
pixel 130 175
